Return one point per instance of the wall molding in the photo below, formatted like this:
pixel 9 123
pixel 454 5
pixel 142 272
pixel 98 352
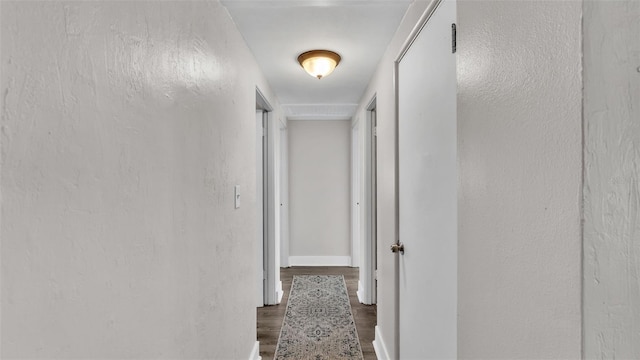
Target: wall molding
pixel 279 292
pixel 255 352
pixel 379 346
pixel 319 111
pixel 359 292
pixel 319 260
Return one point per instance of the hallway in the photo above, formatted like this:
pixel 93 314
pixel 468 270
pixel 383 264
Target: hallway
pixel 129 191
pixel 270 317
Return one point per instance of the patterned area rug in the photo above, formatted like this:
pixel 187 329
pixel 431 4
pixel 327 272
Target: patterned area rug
pixel 318 323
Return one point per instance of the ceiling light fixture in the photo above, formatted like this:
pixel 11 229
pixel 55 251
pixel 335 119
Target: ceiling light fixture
pixel 319 63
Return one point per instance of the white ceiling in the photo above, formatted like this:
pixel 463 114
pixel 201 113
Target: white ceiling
pixel 277 31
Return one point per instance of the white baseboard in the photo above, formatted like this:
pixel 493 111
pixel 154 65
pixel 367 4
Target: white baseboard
pixel 359 292
pixel 255 352
pixel 379 346
pixel 279 293
pixel 319 260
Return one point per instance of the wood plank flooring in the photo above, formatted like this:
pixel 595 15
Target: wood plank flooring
pixel 270 317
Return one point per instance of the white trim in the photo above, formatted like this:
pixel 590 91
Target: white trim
pixel 413 35
pixel 368 207
pixel 356 192
pixel 320 260
pixel 261 101
pixel 259 208
pixel 315 117
pixel 284 194
pixel 271 205
pixel 319 111
pixel 379 346
pixel 255 352
pixel 279 292
pixel 272 264
pixel 359 292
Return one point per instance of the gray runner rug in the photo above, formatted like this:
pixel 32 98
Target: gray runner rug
pixel 318 323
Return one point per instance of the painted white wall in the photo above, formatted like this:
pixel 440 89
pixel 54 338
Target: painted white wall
pixel 381 86
pixel 260 236
pixel 612 180
pixel 319 189
pixel 125 127
pixel 519 153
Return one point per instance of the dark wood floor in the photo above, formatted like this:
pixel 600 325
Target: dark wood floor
pixel 270 317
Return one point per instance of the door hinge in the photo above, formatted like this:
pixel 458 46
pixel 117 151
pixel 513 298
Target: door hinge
pixel 375 131
pixel 454 45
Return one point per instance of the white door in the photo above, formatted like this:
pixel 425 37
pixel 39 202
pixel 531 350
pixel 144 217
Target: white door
pixel 373 212
pixel 260 231
pixel 427 191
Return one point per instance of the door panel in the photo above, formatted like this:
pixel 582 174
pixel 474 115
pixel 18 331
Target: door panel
pixel 260 206
pixel 427 192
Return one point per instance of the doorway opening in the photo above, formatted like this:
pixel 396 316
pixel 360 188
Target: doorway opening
pixel 268 285
pixel 367 284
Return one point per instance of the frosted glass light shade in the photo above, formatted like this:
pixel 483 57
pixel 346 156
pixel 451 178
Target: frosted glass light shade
pixel 319 63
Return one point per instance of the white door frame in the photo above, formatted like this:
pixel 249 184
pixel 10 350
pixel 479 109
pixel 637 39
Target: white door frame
pixel 284 194
pixel 272 293
pixel 260 208
pixel 368 244
pixel 356 190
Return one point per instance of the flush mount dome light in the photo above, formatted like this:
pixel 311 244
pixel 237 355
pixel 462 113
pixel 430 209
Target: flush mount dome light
pixel 319 63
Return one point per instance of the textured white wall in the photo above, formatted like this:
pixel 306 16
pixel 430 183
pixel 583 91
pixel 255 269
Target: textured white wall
pixel 125 126
pixel 519 148
pixel 612 179
pixel 319 188
pixel 381 86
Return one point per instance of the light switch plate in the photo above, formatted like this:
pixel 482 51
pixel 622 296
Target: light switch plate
pixel 236 194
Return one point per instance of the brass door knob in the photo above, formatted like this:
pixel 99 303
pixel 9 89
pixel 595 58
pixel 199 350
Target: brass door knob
pixel 397 247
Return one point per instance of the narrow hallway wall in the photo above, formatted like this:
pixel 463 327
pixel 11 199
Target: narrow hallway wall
pixel 612 179
pixel 125 126
pixel 319 192
pixel 520 170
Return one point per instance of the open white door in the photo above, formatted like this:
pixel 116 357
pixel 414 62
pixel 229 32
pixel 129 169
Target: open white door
pixel 260 230
pixel 427 188
pixel 268 202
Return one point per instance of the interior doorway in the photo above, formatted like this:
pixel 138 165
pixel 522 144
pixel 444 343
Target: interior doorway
pixel 367 285
pixel 268 285
pixel 261 152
